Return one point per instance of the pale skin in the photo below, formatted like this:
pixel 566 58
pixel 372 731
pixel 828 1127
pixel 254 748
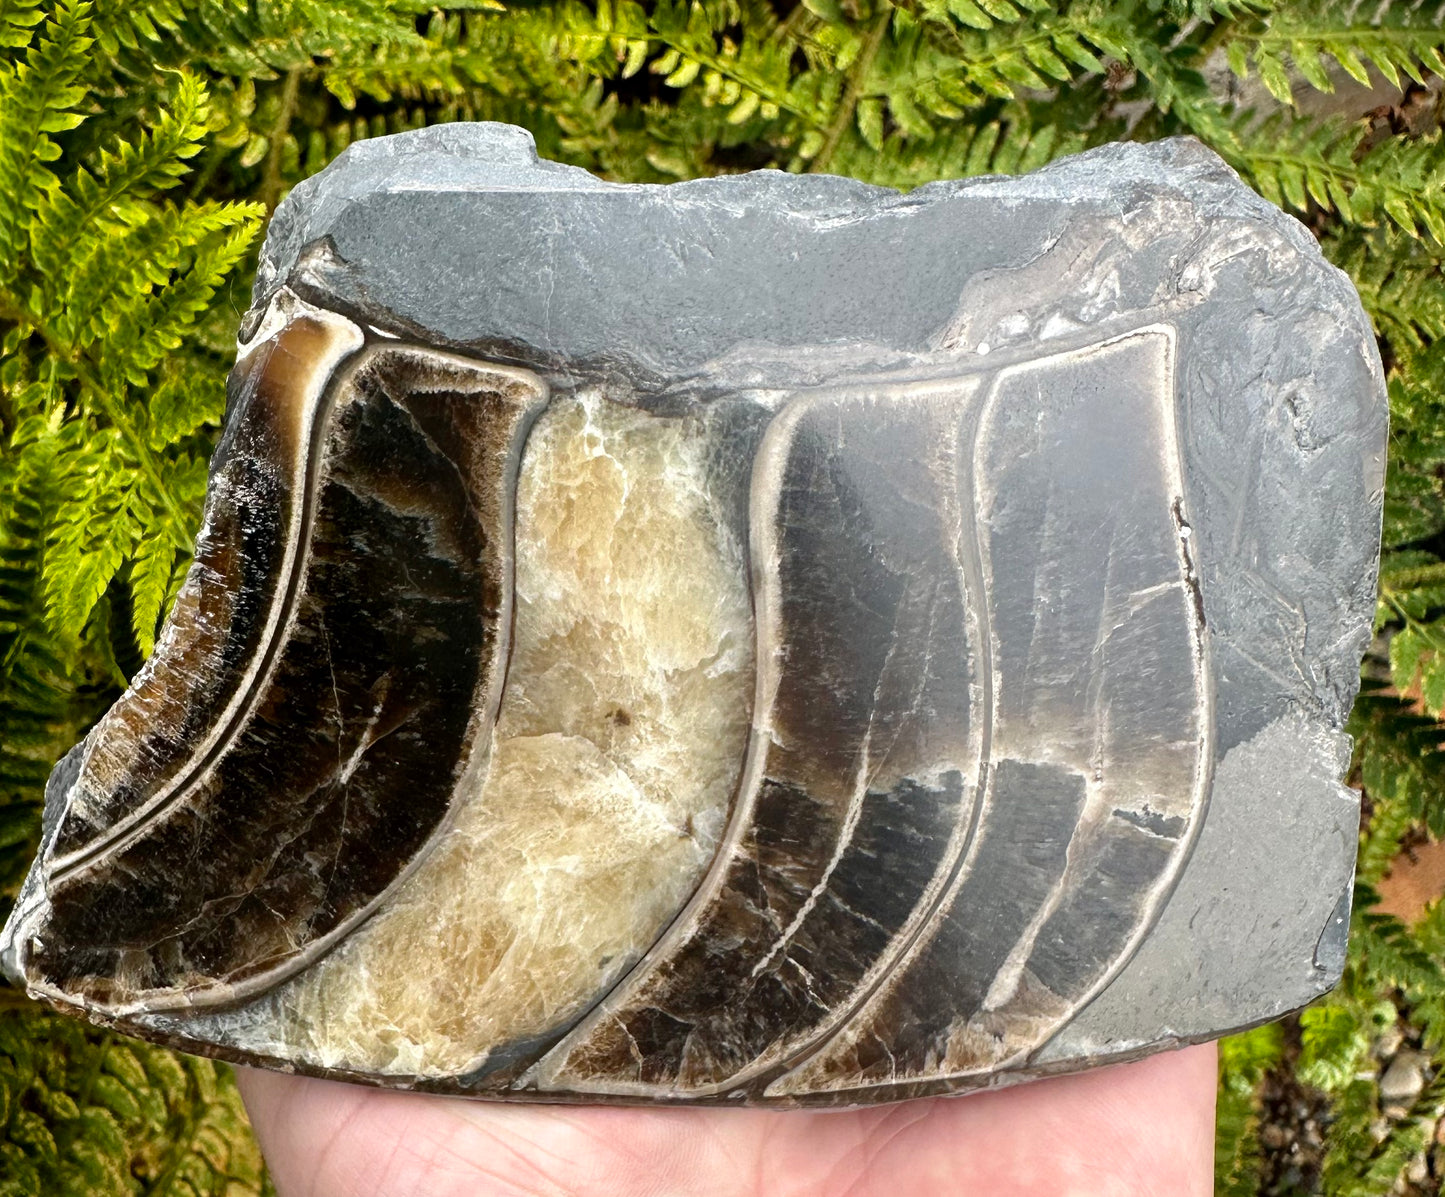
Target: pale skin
pixel 1133 1130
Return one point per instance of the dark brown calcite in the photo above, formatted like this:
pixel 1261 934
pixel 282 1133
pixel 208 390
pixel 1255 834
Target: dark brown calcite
pixel 333 663
pixel 761 640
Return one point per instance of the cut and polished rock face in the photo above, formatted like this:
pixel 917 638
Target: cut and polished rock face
pixel 761 640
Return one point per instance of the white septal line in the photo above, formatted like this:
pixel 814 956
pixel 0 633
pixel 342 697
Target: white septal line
pixel 861 778
pixel 764 569
pixel 963 846
pixel 346 340
pixel 159 1002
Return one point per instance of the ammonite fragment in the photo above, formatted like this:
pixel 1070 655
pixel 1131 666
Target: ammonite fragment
pixel 761 640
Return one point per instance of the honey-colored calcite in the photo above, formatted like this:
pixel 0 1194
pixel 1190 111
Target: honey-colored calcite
pixel 616 750
pixel 764 640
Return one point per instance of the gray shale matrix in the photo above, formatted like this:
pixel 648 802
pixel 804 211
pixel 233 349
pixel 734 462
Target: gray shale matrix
pixel 758 640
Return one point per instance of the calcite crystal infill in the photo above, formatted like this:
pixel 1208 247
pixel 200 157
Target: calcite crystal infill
pixel 761 640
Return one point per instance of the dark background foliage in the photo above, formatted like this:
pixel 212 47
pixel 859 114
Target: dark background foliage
pixel 142 142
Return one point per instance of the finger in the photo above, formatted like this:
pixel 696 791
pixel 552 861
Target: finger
pixel 323 1139
pixel 1135 1130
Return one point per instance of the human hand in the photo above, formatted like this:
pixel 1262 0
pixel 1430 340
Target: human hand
pixel 1133 1130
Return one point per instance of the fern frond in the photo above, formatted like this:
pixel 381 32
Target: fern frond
pixel 200 246
pixel 1020 140
pixel 1236 1144
pixel 1412 607
pixel 34 682
pixel 17 18
pixel 151 574
pixel 86 550
pixel 1300 166
pixel 1357 1165
pixel 1402 764
pixel 921 76
pixel 1392 959
pixel 37 98
pixel 123 176
pixel 1400 281
pixel 1244 1060
pixel 1184 11
pixel 1396 39
pixel 1415 490
pixel 745 75
pixel 1333 1042
pixel 93 1113
pixel 984 15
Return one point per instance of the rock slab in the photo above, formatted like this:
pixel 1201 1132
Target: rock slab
pixel 763 640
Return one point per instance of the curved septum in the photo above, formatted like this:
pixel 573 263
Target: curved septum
pixel 236 811
pixel 962 804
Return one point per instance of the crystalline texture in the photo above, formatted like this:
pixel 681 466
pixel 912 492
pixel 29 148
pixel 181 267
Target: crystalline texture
pixel 765 639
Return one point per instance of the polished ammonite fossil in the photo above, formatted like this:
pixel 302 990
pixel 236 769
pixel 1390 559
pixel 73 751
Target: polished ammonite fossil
pixel 767 639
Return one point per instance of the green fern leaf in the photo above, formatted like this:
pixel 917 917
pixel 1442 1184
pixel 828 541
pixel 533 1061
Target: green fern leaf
pixel 122 176
pixel 119 1117
pixel 37 98
pixel 17 18
pixel 150 584
pixel 1401 755
pixel 1396 39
